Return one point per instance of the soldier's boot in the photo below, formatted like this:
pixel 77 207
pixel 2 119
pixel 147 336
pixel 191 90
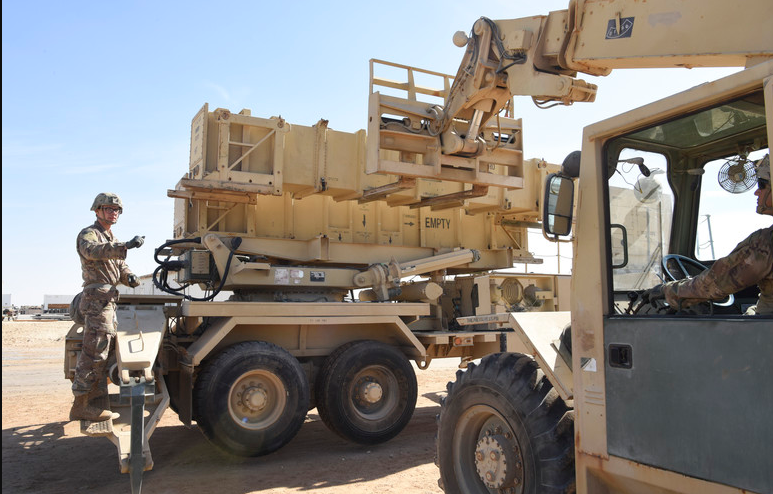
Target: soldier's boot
pixel 98 397
pixel 83 410
pixel 98 391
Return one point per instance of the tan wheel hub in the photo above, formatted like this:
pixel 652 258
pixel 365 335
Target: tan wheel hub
pixel 495 461
pixel 371 392
pixel 255 398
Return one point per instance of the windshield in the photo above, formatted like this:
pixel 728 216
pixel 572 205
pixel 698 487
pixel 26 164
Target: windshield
pixel 710 125
pixel 685 187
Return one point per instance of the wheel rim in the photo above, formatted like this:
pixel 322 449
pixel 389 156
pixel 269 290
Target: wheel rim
pixel 257 399
pixel 486 452
pixel 374 393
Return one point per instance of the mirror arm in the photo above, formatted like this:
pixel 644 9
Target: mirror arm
pixel 557 238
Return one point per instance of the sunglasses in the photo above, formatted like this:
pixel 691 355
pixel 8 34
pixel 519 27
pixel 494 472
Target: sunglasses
pixel 763 183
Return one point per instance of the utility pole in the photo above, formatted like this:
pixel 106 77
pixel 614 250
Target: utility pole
pixel 711 238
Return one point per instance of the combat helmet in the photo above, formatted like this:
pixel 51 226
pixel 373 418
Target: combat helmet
pixel 763 168
pixel 107 199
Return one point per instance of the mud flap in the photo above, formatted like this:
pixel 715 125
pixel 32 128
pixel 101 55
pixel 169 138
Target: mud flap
pixel 540 334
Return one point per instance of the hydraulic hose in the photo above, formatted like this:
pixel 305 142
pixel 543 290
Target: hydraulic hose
pixel 161 273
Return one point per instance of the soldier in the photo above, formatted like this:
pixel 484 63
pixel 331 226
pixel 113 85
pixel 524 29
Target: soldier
pixel 751 262
pixel 102 261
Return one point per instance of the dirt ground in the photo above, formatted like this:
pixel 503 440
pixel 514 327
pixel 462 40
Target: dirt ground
pixel 43 452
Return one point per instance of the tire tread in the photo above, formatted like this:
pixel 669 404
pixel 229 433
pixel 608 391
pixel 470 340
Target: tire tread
pixel 547 419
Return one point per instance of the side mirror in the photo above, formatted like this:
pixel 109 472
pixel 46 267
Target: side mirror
pixel 559 202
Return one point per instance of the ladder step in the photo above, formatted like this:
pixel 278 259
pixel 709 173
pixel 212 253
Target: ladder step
pixel 96 429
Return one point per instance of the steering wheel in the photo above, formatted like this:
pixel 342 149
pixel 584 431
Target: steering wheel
pixel 682 262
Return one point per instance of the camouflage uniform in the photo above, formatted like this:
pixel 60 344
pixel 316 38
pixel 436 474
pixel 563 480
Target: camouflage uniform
pixel 750 262
pixel 103 265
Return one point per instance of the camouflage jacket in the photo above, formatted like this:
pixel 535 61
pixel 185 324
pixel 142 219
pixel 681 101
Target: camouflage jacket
pixel 102 257
pixel 751 262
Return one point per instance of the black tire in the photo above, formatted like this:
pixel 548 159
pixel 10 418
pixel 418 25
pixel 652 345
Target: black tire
pixel 172 381
pixel 366 392
pixel 279 398
pixel 502 421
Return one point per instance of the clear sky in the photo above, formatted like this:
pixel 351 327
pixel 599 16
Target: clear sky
pixel 99 96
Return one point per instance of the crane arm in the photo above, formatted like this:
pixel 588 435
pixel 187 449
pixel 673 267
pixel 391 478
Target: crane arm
pixel 540 56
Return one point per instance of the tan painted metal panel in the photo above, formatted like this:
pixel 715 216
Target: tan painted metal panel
pixel 267 309
pixel 538 332
pixel 620 475
pixel 222 326
pixel 665 33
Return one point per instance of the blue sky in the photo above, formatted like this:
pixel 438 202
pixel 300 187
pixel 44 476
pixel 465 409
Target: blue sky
pixel 99 96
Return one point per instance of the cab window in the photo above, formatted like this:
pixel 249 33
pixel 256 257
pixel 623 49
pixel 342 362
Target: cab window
pixel 726 214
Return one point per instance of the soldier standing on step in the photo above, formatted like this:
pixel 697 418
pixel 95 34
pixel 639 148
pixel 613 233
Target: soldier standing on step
pixel 104 266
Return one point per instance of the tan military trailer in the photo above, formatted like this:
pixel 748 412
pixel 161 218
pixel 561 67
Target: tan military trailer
pixel 346 257
pixel 629 395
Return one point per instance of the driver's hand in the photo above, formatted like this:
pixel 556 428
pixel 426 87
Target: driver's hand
pixel 653 294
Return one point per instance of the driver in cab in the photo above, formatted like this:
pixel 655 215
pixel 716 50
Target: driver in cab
pixel 751 262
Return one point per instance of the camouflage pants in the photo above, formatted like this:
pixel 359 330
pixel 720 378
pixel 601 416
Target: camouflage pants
pixel 98 310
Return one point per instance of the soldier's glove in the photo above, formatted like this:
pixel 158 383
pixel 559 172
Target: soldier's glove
pixel 653 294
pixel 135 242
pixel 133 280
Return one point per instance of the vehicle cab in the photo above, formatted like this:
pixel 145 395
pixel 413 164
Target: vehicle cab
pixel 667 398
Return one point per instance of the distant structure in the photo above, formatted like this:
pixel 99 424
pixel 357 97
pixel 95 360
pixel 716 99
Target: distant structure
pixel 146 287
pixel 30 310
pixel 57 304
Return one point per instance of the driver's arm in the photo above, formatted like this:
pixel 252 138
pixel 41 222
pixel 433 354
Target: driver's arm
pixel 746 265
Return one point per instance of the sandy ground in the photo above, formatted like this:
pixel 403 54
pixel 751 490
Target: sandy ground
pixel 43 452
